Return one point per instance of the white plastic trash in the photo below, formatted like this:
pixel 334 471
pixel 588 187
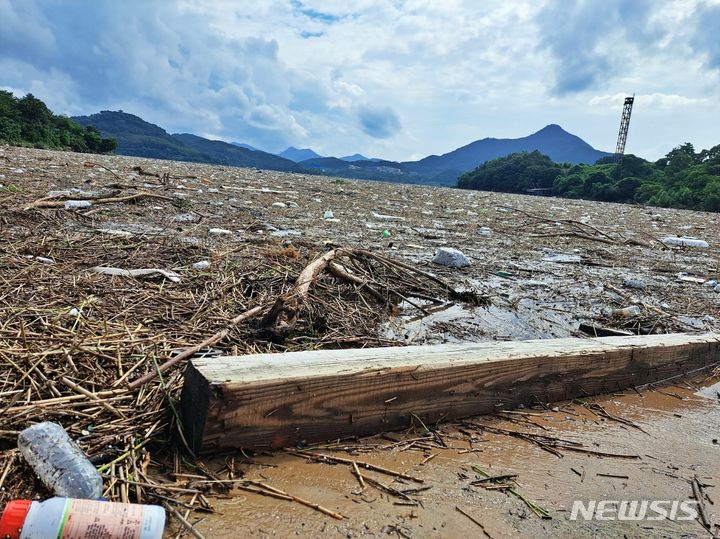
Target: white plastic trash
pixel 453 258
pixel 41 259
pixel 203 264
pixel 384 217
pixel 685 242
pixel 67 517
pixel 562 258
pixel 77 204
pixel 139 273
pixel 219 232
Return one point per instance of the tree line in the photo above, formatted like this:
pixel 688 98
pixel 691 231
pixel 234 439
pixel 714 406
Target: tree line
pixel 683 178
pixel 27 121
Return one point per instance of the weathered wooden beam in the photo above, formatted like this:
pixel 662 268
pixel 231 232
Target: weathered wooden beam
pixel 276 400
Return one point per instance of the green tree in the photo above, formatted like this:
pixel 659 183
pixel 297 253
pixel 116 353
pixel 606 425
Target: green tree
pixel 28 121
pixel 678 159
pixel 681 179
pixel 515 173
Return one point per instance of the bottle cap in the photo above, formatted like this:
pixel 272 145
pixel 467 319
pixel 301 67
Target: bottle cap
pixel 13 518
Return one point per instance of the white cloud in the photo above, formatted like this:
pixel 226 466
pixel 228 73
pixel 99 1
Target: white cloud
pixel 393 79
pixel 656 100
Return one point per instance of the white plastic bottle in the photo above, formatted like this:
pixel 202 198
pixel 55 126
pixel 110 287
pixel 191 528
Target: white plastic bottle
pixel 59 462
pixel 65 518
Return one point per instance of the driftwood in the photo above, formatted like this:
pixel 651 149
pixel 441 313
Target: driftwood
pixel 578 229
pixel 53 202
pixel 262 190
pixel 283 316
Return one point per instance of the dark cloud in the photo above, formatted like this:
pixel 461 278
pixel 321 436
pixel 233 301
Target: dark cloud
pixel 158 61
pixel 586 39
pixel 706 33
pixel 338 75
pixel 378 122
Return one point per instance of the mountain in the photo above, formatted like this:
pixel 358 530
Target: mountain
pixel 335 163
pixel 552 140
pixel 368 170
pixel 325 164
pixel 299 154
pixel 223 153
pixel 243 145
pixel 355 157
pixel 139 138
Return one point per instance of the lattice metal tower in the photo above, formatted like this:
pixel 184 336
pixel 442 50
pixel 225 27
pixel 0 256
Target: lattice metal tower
pixel 624 125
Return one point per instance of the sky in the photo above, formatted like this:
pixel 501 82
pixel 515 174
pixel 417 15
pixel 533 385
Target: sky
pixel 396 79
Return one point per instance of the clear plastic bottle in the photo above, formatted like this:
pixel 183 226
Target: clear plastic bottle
pixel 81 519
pixel 627 312
pixel 59 462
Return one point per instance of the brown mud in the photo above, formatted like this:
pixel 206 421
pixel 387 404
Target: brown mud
pixel 672 430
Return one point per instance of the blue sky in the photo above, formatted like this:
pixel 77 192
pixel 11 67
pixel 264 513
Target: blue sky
pixel 398 79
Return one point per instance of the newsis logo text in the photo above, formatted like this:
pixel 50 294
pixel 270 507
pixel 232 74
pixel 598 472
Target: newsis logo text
pixel 634 510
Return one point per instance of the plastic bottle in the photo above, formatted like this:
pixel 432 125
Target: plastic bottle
pixel 80 519
pixel 77 204
pixel 59 462
pixel 685 242
pixel 627 312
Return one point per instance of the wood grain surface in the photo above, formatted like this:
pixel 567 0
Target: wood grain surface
pixel 279 400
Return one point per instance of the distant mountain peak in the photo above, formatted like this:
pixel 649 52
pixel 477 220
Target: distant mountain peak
pixel 552 140
pixel 551 129
pixel 355 157
pixel 299 154
pixel 243 145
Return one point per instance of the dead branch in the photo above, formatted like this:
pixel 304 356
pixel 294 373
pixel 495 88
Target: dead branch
pixel 54 203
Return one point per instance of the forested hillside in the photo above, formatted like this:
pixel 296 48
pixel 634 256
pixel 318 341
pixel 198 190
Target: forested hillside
pixel 683 178
pixel 27 121
pixel 139 138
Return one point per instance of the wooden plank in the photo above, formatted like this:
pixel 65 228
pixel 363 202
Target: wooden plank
pixel 276 400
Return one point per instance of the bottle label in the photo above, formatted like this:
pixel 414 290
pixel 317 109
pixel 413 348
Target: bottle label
pixel 90 519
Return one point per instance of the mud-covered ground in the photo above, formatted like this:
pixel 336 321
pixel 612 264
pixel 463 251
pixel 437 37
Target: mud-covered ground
pixel 616 258
pixel 549 267
pixel 673 433
pixel 610 255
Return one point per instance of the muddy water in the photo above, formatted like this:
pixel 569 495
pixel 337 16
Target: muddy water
pixel 674 431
